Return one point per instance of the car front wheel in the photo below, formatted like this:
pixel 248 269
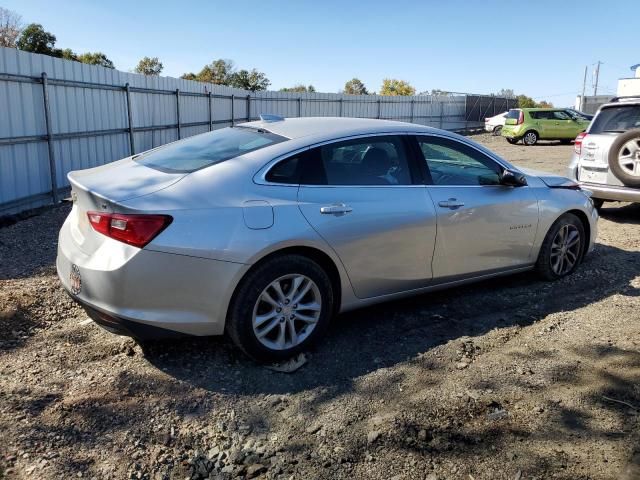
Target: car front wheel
pixel 280 308
pixel 562 249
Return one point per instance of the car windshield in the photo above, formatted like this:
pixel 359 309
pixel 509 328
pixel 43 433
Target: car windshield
pixel 616 119
pixel 207 149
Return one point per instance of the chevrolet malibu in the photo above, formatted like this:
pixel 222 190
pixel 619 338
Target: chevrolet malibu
pixel 266 230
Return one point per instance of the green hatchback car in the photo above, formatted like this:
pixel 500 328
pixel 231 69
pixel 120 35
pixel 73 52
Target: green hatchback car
pixel 533 124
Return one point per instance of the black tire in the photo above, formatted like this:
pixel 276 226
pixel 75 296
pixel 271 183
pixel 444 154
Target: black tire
pixel 239 324
pixel 530 138
pixel 566 141
pixel 497 131
pixel 544 265
pixel 512 141
pixel 615 149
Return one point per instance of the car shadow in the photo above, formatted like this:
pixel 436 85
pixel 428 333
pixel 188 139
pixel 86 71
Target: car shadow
pixel 627 213
pixel 369 339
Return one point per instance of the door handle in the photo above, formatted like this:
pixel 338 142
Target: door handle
pixel 336 209
pixel 452 203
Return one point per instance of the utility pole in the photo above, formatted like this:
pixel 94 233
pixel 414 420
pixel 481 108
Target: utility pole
pixel 595 88
pixel 584 86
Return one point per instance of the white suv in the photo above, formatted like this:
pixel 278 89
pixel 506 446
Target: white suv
pixel 606 157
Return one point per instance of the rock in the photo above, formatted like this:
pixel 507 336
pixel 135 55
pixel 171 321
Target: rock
pixel 313 429
pixel 498 414
pixel 255 470
pixel 461 365
pixel 373 436
pixel 422 435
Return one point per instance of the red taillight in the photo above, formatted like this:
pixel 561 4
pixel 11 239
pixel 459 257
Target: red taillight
pixel 136 230
pixel 577 146
pixel 521 118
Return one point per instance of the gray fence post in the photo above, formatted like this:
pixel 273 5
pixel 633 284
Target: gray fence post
pixel 413 102
pixel 233 103
pixel 248 108
pixel 379 109
pixel 52 159
pixel 465 112
pixel 178 113
pixel 132 145
pixel 299 106
pixel 341 107
pixel 210 112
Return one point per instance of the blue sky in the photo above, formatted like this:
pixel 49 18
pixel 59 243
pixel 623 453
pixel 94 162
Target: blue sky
pixel 538 48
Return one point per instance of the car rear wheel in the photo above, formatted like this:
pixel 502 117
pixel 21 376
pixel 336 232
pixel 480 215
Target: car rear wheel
pixel 512 141
pixel 562 249
pixel 624 158
pixel 530 138
pixel 497 130
pixel 280 308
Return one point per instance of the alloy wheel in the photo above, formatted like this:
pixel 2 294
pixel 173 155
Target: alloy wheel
pixel 530 138
pixel 565 249
pixel 286 312
pixel 629 157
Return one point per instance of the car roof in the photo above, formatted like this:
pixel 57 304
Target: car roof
pixel 331 127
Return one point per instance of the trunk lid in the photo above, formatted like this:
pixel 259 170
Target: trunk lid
pixel 102 188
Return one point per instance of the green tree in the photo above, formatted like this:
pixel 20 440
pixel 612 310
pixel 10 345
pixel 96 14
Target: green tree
pixel 249 80
pixel 34 38
pixel 189 76
pixel 67 54
pixel 392 86
pixel 355 87
pixel 218 72
pixel 436 92
pixel 149 66
pixel 10 28
pixel 544 104
pixel 299 88
pixel 526 102
pixel 95 58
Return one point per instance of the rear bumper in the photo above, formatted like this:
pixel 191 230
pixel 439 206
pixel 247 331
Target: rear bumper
pixel 123 326
pixel 612 192
pixel 136 292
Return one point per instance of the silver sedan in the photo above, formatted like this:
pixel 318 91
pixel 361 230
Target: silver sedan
pixel 266 230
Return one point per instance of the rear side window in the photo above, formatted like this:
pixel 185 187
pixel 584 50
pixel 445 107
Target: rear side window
pixel 287 171
pixel 365 161
pixel 616 119
pixel 515 114
pixel 208 149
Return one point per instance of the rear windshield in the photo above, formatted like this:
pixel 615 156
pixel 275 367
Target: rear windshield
pixel 207 149
pixel 513 114
pixel 616 119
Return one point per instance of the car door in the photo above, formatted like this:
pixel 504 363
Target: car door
pixel 483 226
pixel 565 126
pixel 362 196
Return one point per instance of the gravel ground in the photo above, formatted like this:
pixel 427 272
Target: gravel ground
pixel 507 379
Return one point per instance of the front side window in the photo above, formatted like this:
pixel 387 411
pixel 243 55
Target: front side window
pixel 453 163
pixel 560 115
pixel 364 161
pixel 201 151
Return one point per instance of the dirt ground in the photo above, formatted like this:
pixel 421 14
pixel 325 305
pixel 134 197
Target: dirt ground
pixel 512 379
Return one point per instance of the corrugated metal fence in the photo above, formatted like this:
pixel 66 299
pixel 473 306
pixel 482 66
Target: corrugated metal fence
pixel 58 115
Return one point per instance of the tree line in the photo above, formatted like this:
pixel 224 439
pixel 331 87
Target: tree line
pixel 34 38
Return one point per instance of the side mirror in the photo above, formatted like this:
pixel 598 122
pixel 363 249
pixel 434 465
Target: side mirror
pixel 512 179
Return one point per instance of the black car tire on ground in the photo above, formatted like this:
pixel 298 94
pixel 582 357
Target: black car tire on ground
pixel 512 141
pixel 614 152
pixel 530 138
pixel 550 248
pixel 497 130
pixel 240 317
